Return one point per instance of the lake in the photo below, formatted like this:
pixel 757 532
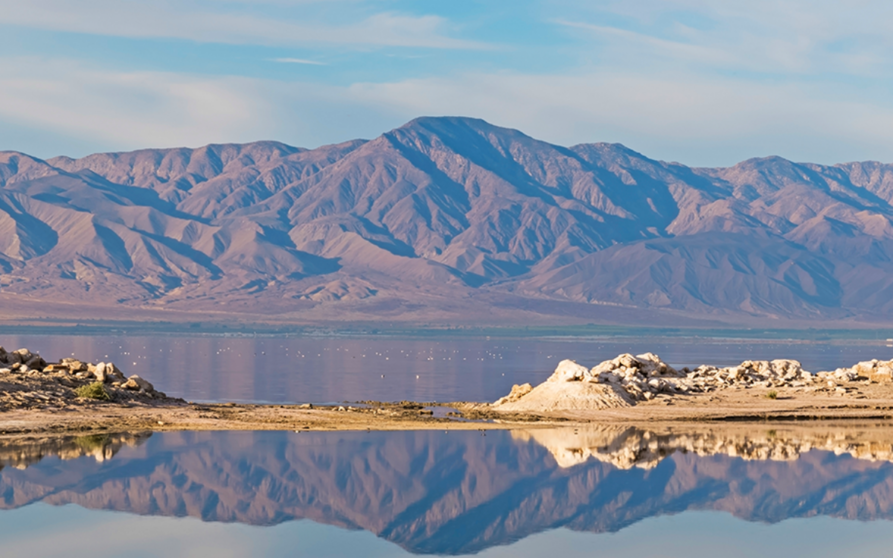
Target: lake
pixel 776 490
pixel 333 369
pixel 520 494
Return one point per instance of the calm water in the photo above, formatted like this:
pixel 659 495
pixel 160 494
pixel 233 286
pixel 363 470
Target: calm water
pixel 521 494
pixel 457 493
pixel 283 370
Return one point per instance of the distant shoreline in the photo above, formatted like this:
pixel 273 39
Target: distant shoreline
pixel 871 336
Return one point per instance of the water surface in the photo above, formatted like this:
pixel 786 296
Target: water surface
pixel 327 369
pixel 631 492
pixel 603 491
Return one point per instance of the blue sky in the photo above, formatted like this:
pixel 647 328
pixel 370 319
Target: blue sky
pixel 696 81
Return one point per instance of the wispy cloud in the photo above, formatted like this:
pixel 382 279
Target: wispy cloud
pixel 770 36
pixel 129 108
pixel 701 81
pixel 665 48
pixel 166 20
pixel 686 117
pixel 298 61
pixel 675 116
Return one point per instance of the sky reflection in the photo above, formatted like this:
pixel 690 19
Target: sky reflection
pixel 702 491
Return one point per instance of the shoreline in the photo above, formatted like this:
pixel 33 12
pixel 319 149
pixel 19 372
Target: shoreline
pixel 703 410
pixel 868 333
pixel 74 397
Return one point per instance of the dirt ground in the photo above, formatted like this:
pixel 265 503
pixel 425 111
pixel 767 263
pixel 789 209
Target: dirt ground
pixel 864 402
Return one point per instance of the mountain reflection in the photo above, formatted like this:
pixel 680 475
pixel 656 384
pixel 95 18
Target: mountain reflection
pixel 461 492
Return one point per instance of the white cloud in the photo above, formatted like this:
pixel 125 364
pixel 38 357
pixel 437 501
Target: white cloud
pixel 666 49
pixel 84 108
pixel 299 61
pixel 128 109
pixel 689 118
pixel 162 19
pixel 799 36
pixel 695 119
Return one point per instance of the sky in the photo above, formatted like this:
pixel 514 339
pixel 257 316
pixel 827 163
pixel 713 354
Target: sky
pixel 702 82
pixel 71 532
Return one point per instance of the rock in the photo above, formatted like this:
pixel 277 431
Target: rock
pixel 643 377
pixel 626 360
pixel 24 355
pixel 36 363
pixel 569 371
pixel 517 393
pixel 137 383
pixel 23 369
pixel 883 374
pixel 114 372
pixel 99 372
pixel 74 366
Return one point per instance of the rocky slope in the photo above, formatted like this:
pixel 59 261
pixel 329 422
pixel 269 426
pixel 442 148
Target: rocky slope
pixel 27 381
pixel 447 219
pixel 628 379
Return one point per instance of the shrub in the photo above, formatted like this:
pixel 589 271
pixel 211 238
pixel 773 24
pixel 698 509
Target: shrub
pixel 772 395
pixel 96 390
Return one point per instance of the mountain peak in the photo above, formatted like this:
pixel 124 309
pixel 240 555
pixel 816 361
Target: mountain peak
pixel 448 205
pixel 456 126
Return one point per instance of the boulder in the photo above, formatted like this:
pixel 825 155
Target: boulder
pixel 136 383
pixel 74 365
pixel 114 373
pixel 569 371
pixel 24 355
pixel 36 362
pixel 99 372
pixel 883 374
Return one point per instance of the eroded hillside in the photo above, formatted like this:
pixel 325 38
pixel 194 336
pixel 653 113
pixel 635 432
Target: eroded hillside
pixel 447 219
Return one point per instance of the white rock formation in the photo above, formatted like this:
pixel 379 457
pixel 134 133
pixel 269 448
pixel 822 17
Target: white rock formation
pixel 628 379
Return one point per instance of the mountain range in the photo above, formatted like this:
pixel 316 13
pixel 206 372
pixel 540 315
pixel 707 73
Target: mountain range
pixel 444 220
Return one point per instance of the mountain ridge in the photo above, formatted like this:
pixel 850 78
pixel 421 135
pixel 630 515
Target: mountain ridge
pixel 456 494
pixel 445 220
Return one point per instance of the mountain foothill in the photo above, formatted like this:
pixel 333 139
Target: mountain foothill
pixel 447 220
